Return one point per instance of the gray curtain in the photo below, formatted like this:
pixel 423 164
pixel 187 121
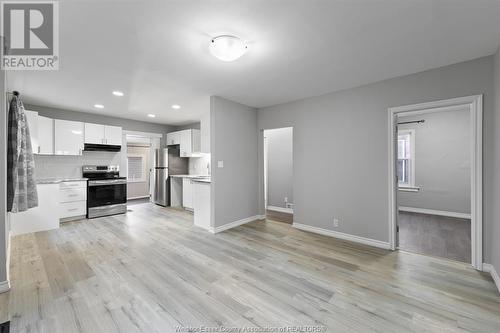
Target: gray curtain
pixel 21 184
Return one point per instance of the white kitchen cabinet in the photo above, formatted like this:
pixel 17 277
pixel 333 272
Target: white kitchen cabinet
pixel 40 218
pixel 46 135
pixel 201 204
pixel 188 141
pixel 175 191
pixel 32 120
pixel 187 193
pixel 103 134
pixel 72 200
pixel 113 135
pixel 94 133
pixel 174 138
pixel 68 137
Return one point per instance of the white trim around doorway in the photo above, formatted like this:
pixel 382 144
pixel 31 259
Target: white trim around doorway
pixel 475 105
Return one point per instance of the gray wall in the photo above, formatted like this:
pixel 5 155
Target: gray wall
pixel 279 166
pixel 234 141
pixel 188 126
pixel 494 233
pixel 3 177
pixel 442 162
pixel 345 133
pixel 127 124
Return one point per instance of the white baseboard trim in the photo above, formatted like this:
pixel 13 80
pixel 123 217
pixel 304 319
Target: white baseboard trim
pixel 280 209
pixel 236 223
pixel 489 268
pixel 435 212
pixel 341 235
pixel 4 286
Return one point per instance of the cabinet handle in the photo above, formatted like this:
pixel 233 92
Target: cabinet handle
pixel 72 209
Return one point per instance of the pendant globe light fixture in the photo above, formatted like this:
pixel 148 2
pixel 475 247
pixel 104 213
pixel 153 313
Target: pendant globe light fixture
pixel 227 47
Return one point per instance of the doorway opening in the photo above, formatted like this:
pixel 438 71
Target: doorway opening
pixel 436 179
pixel 278 174
pixel 139 159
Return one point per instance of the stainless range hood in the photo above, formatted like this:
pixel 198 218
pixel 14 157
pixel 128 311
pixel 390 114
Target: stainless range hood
pixel 99 147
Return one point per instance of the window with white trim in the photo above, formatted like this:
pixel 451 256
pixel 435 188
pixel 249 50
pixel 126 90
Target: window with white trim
pixel 406 158
pixel 135 167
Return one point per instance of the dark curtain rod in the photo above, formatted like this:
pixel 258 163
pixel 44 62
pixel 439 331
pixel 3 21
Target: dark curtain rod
pixel 412 122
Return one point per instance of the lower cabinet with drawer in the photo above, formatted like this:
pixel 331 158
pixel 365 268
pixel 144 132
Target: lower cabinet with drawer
pixel 72 200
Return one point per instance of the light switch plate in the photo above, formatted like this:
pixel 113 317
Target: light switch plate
pixel 220 164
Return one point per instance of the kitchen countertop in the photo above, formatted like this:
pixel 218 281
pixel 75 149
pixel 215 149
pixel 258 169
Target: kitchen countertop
pixel 188 176
pixel 59 180
pixel 202 180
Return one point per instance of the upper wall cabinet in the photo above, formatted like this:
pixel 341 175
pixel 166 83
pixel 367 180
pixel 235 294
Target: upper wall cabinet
pixel 68 137
pixel 174 138
pixel 103 134
pixel 94 133
pixel 188 141
pixel 46 141
pixel 32 120
pixel 41 133
pixel 113 135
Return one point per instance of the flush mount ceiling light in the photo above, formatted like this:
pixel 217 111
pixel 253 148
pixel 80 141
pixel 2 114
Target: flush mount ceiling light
pixel 118 93
pixel 151 115
pixel 176 106
pixel 227 47
pixel 99 106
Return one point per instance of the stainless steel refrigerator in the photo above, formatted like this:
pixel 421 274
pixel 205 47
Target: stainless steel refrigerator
pixel 167 162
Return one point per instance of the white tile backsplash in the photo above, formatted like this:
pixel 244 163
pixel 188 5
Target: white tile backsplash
pixel 53 166
pixel 198 165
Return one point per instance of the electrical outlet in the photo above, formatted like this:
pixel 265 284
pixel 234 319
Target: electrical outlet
pixel 220 164
pixel 335 222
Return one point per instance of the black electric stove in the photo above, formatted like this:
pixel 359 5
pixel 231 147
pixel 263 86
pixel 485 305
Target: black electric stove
pixel 106 190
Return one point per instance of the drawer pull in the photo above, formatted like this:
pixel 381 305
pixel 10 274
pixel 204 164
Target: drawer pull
pixel 72 209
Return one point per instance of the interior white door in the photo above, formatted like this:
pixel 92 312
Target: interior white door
pixel 113 135
pixel 68 137
pixel 46 141
pixel 396 181
pixel 94 133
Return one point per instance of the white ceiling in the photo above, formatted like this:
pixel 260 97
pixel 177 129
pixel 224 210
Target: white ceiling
pixel 156 51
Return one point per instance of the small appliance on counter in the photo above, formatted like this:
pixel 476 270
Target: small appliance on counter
pixel 167 162
pixel 106 190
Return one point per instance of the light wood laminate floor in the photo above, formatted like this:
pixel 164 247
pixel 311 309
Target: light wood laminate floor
pixel 152 270
pixel 279 216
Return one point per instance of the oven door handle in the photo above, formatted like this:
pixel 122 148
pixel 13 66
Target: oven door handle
pixel 107 182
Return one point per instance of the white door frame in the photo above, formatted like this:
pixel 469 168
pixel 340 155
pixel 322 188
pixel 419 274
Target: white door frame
pixel 475 105
pixel 266 174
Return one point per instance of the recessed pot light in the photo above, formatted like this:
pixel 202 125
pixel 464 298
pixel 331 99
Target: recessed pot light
pixel 99 106
pixel 151 115
pixel 227 47
pixel 176 106
pixel 118 93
